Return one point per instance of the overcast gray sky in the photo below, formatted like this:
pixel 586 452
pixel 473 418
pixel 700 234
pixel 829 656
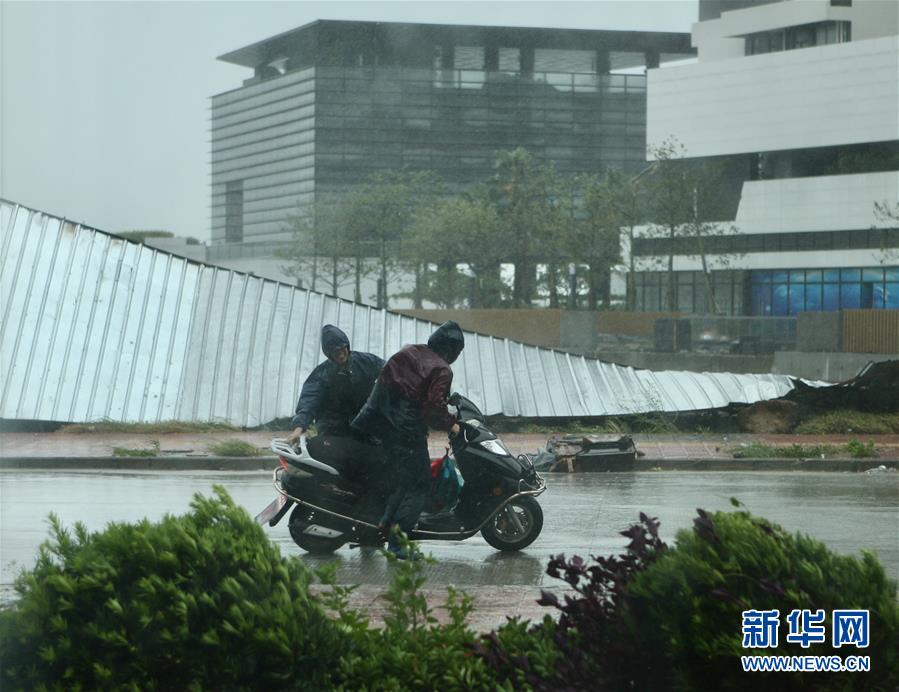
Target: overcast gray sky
pixel 104 106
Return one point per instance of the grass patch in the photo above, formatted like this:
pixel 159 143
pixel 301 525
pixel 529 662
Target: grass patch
pixel 861 450
pixel 129 452
pixel 234 448
pixel 846 422
pixel 134 452
pixel 165 427
pixel 759 450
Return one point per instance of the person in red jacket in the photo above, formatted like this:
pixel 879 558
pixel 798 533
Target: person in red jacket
pixel 408 398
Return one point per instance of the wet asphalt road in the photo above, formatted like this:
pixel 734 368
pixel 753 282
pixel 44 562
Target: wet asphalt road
pixel 583 515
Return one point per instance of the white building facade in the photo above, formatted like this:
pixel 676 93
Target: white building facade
pixel 804 96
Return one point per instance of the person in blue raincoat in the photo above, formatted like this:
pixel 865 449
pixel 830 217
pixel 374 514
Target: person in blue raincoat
pixel 336 389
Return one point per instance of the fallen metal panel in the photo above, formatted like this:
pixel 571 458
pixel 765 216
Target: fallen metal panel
pixel 96 327
pixel 875 389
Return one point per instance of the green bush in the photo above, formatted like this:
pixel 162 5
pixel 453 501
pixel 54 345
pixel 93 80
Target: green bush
pixel 687 606
pixel 861 450
pixel 670 618
pixel 198 602
pixel 205 602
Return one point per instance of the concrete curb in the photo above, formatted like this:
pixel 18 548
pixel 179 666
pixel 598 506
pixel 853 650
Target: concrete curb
pixel 268 463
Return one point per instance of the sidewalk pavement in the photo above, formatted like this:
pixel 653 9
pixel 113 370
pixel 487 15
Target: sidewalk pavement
pixel 493 605
pixel 192 450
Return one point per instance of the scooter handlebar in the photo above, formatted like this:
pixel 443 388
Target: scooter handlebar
pixel 462 437
pixel 283 448
pixel 281 445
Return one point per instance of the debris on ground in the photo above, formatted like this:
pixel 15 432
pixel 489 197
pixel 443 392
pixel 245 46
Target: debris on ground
pixel 881 469
pixel 575 453
pixel 769 417
pixel 875 388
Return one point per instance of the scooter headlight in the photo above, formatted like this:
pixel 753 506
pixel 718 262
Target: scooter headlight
pixel 496 447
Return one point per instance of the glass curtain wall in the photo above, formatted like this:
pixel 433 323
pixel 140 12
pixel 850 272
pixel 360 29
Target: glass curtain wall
pixel 778 292
pixel 692 292
pixel 453 121
pixel 782 292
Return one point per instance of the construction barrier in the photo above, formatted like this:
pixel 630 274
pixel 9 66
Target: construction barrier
pixel 871 331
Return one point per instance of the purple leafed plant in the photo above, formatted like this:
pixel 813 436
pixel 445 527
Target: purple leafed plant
pixel 590 634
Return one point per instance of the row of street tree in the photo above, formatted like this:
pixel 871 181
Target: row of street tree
pixel 525 216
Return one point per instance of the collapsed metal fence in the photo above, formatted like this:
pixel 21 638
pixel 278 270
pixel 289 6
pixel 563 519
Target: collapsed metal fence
pixel 95 327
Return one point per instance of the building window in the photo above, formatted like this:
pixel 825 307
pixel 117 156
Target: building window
pixel 777 293
pixel 765 42
pixel 801 37
pixel 509 60
pixel 692 292
pixel 883 239
pixel 814 290
pixel 794 37
pixel 567 61
pixel 468 57
pixel 234 211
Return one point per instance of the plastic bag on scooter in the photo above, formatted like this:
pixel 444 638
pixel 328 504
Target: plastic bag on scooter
pixel 446 484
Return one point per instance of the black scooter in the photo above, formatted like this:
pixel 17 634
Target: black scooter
pixel 340 500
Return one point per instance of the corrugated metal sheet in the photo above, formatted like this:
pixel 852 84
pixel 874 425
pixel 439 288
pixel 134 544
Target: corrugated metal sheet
pixel 98 328
pixel 871 331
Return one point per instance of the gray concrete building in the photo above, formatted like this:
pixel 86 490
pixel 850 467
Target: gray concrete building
pixel 331 102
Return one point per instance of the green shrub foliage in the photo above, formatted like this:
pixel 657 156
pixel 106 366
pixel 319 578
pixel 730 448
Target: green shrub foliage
pixel 201 601
pixel 663 618
pixel 861 450
pixel 847 422
pixel 689 604
pixel 205 602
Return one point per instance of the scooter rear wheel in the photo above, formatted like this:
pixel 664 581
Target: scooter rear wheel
pixel 317 545
pixel 516 525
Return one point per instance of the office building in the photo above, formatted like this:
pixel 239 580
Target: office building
pixel 331 102
pixel 802 96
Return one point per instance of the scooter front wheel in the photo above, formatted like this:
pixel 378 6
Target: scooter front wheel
pixel 516 525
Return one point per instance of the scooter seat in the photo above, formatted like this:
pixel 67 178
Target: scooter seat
pixel 352 458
